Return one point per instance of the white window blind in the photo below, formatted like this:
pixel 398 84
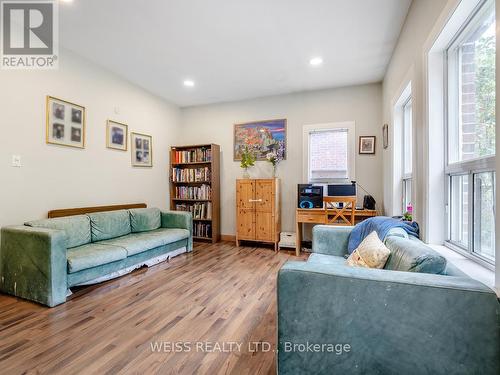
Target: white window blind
pixel 328 155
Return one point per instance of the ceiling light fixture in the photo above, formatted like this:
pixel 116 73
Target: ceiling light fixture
pixel 189 83
pixel 66 1
pixel 316 61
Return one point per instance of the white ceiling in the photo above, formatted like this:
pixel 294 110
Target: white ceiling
pixel 235 49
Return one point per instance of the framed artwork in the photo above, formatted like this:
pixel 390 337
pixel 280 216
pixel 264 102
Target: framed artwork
pixel 262 136
pixel 385 135
pixel 65 124
pixel 142 150
pixel 367 145
pixel 116 135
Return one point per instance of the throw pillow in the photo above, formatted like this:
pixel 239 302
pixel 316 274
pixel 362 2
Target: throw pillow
pixel 371 253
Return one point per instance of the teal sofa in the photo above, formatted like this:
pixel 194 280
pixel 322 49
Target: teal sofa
pixel 419 315
pixel 42 259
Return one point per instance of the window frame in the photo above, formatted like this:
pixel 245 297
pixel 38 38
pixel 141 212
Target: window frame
pixel 406 178
pixel 469 167
pixel 351 150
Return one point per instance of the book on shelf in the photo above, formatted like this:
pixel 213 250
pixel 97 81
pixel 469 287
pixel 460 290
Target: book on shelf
pixel 199 210
pixel 193 192
pixel 193 156
pixel 191 174
pixel 202 230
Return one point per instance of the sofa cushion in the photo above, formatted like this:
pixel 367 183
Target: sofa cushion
pixel 371 253
pixel 109 224
pixel 325 259
pixel 93 255
pixel 77 228
pixel 135 243
pixel 413 256
pixel 144 219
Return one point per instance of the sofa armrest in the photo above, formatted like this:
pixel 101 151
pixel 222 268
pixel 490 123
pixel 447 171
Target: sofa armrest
pixel 394 322
pixel 331 240
pixel 179 219
pixel 33 264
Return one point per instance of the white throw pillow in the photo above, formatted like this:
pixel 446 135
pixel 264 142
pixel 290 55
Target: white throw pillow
pixel 371 253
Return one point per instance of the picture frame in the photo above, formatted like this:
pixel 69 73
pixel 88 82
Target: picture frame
pixel 65 123
pixel 262 136
pixel 385 135
pixel 116 135
pixel 367 145
pixel 141 146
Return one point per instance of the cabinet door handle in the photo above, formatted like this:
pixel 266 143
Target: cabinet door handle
pixel 255 200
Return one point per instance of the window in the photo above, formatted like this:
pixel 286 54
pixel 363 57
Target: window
pixel 329 149
pixel 470 168
pixel 407 153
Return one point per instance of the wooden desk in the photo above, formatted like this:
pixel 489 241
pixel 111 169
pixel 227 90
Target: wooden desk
pixel 320 216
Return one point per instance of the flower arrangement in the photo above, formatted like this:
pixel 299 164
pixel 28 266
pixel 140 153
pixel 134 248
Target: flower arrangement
pixel 247 160
pixel 275 157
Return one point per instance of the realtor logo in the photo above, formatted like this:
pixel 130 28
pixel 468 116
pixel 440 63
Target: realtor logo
pixel 29 35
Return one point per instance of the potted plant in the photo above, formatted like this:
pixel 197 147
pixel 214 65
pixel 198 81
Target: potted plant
pixel 247 160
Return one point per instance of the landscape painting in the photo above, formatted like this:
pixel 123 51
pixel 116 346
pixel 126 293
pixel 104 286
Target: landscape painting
pixel 262 137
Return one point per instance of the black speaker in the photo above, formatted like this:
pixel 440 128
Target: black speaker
pixel 309 196
pixel 369 202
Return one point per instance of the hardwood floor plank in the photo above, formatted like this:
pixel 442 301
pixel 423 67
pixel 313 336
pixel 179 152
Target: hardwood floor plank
pixel 217 295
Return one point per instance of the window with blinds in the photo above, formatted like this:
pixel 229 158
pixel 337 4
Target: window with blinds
pixel 328 155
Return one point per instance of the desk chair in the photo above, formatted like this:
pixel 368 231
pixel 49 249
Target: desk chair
pixel 340 216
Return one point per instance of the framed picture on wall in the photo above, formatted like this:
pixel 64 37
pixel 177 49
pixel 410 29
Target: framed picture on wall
pixel 367 144
pixel 65 123
pixel 116 135
pixel 142 150
pixel 262 136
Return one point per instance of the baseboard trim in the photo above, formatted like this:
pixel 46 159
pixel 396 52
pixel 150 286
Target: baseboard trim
pixel 228 237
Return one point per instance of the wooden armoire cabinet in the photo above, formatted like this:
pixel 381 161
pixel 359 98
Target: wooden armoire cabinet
pixel 258 210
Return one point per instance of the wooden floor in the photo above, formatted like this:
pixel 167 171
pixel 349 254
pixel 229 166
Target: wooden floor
pixel 217 294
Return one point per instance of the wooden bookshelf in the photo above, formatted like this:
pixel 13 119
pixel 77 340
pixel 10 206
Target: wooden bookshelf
pixel 194 175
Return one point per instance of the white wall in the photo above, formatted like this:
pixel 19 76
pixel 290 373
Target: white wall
pixel 60 177
pixel 214 123
pixel 407 65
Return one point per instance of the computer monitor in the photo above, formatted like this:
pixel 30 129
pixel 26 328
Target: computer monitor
pixel 342 190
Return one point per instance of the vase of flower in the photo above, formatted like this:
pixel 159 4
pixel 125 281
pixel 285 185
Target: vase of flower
pixel 274 157
pixel 247 160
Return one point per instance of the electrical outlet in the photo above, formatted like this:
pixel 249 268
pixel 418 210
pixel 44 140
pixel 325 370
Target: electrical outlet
pixel 16 161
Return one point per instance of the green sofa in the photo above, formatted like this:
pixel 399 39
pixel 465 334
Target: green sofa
pixel 419 315
pixel 42 259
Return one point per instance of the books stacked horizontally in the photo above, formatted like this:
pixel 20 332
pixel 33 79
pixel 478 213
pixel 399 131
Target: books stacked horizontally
pixel 200 210
pixel 193 192
pixel 198 155
pixel 191 174
pixel 201 229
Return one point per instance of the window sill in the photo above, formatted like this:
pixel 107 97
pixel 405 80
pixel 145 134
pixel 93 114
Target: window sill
pixel 468 266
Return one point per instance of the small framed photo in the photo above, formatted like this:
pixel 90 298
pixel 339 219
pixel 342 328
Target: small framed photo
pixel 142 150
pixel 65 124
pixel 385 135
pixel 116 135
pixel 367 145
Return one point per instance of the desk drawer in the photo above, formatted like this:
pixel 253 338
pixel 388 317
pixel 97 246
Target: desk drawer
pixel 311 217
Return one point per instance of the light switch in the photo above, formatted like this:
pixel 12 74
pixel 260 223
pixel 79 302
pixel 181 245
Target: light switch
pixel 16 161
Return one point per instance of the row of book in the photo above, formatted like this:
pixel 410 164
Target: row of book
pixel 202 230
pixel 190 174
pixel 193 192
pixel 202 210
pixel 193 156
